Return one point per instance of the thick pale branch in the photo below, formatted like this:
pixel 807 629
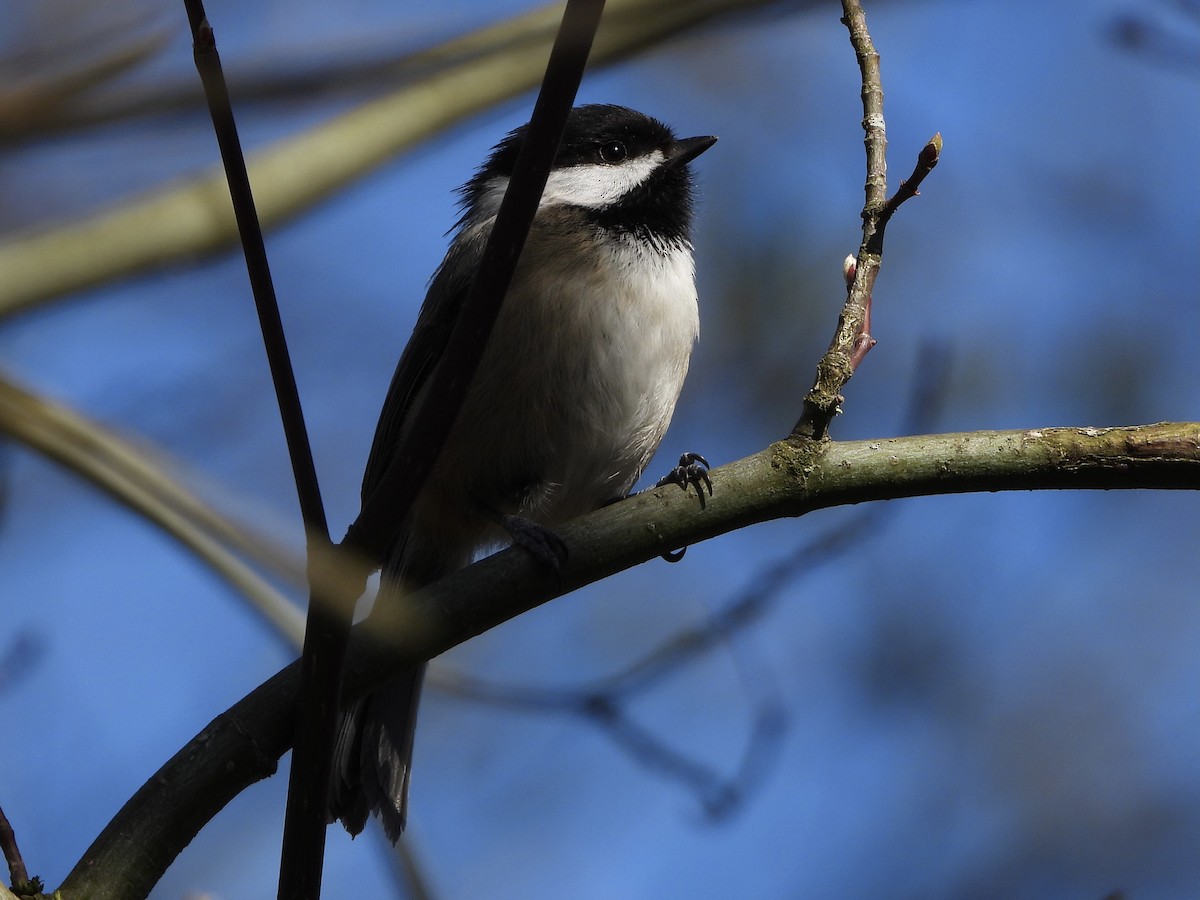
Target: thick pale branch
pixel 184 220
pixel 789 478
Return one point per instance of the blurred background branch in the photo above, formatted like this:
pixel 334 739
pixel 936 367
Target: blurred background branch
pixel 1166 33
pixel 135 478
pixel 182 221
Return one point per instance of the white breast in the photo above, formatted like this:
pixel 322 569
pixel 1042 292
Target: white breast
pixel 594 356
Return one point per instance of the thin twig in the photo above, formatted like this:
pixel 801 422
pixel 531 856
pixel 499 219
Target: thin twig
pixel 18 874
pixel 133 476
pixel 851 339
pixel 406 867
pixel 926 160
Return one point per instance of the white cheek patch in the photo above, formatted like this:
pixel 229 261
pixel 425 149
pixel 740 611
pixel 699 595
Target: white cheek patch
pixel 596 185
pixel 593 185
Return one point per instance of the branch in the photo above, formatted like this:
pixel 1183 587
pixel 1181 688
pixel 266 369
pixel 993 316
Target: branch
pixel 18 874
pixel 181 221
pixel 789 478
pixel 142 482
pixel 851 340
pixel 926 160
pixel 328 624
pixel 43 84
pixel 602 701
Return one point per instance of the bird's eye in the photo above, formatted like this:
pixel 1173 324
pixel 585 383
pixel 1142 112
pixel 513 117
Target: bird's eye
pixel 613 152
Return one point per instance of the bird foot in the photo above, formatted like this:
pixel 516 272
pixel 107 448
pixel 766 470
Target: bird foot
pixel 546 547
pixel 693 470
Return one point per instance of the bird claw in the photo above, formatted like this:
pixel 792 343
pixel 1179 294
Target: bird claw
pixel 546 547
pixel 674 556
pixel 693 470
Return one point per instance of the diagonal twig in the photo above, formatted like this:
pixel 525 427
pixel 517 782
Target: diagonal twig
pixel 142 481
pixel 18 874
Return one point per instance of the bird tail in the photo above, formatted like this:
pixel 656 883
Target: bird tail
pixel 372 762
pixel 373 751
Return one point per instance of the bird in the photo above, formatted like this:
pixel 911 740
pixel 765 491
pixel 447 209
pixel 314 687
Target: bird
pixel 574 391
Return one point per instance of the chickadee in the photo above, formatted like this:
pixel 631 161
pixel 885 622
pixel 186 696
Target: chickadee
pixel 573 393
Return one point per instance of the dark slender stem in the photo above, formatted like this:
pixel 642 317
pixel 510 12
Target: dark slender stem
pixel 329 621
pixel 209 65
pixel 378 522
pixel 385 510
pixel 17 872
pixel 328 627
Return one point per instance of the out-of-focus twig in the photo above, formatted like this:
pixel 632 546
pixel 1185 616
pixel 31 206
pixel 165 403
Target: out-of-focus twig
pixel 33 103
pixel 1173 44
pixel 19 657
pixel 185 220
pixel 135 479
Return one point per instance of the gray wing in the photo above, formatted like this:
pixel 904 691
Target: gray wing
pixel 439 313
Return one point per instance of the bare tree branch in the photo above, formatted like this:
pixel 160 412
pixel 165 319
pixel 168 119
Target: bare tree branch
pixel 789 478
pixel 733 616
pixel 29 102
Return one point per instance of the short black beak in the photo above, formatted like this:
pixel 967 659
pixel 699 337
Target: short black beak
pixel 686 149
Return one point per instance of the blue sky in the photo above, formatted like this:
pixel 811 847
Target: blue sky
pixel 989 696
